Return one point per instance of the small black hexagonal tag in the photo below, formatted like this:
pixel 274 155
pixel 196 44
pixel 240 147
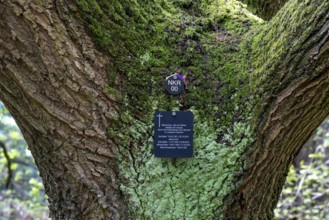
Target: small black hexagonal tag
pixel 174 84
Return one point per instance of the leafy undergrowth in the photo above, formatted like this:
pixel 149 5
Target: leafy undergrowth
pixel 306 193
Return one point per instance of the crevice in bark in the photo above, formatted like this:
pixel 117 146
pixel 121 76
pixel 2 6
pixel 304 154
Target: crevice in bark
pixel 265 9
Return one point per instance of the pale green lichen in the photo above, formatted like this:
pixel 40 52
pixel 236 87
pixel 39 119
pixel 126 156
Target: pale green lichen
pixel 186 188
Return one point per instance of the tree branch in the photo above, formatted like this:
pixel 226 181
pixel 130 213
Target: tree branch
pixel 292 77
pixel 9 170
pixel 44 63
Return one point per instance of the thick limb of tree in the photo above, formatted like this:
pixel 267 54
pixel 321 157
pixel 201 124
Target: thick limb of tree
pixel 296 93
pixel 48 69
pixel 83 79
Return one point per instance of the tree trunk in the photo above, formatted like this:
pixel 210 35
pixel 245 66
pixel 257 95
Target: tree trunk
pixel 83 79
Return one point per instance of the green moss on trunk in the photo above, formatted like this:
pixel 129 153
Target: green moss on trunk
pixel 149 41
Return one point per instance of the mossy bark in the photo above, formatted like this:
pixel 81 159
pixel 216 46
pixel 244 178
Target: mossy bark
pixel 83 79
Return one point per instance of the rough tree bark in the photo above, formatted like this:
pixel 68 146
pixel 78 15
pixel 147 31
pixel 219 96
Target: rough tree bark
pixel 83 78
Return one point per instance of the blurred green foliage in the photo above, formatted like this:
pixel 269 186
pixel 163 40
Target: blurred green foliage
pixel 306 193
pixel 24 197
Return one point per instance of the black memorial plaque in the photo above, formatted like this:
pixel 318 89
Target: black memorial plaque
pixel 173 134
pixel 174 84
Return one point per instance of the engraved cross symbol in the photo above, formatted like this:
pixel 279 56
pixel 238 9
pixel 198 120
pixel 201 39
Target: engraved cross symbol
pixel 159 116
